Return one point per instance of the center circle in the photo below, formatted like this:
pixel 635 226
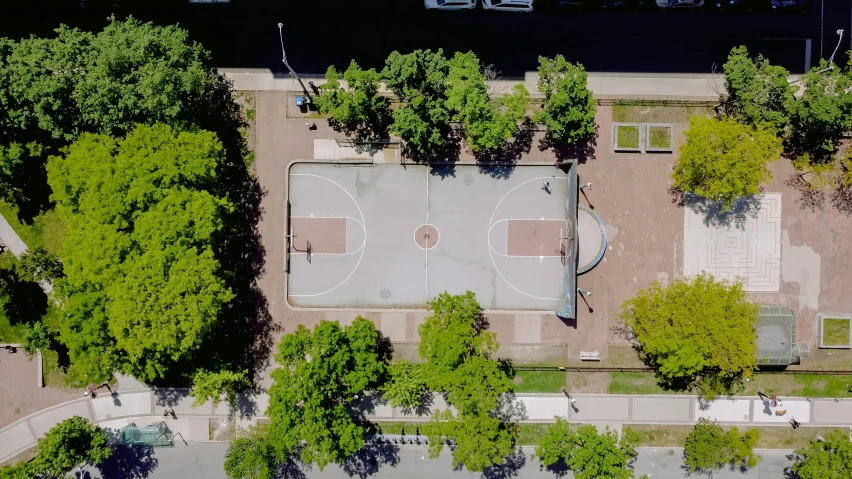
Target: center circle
pixel 426 236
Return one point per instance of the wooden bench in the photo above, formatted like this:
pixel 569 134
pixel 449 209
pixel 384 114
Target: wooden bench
pixel 590 356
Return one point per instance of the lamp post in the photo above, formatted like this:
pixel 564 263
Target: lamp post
pixel 284 61
pixel 830 59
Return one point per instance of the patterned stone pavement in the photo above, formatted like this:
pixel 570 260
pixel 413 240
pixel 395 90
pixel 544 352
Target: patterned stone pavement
pixel 750 251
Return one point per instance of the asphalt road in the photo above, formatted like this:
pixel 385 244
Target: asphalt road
pixel 205 460
pixel 321 32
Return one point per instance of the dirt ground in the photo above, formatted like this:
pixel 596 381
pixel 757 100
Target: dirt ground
pixel 20 395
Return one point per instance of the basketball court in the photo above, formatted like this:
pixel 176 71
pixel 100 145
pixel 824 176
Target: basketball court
pixel 392 236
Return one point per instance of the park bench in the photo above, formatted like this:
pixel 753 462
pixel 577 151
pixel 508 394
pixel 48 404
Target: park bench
pixel 590 356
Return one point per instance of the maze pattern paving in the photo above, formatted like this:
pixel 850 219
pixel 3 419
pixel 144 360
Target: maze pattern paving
pixel 752 252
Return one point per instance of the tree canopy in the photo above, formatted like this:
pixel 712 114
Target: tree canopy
pixel 322 371
pixel 710 447
pixel 697 332
pixel 823 113
pixel 457 351
pixel 586 452
pixel 487 123
pixel 758 93
pixel 405 386
pixel 418 80
pixel 830 458
pixel 250 455
pixel 54 89
pixel 143 284
pixel 70 443
pixel 209 386
pixel 723 160
pixel 568 109
pixel 357 108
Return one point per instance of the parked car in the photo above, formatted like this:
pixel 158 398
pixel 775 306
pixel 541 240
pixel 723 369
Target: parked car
pixel 748 5
pixel 508 5
pixel 666 4
pixel 450 4
pixel 792 5
pixel 625 4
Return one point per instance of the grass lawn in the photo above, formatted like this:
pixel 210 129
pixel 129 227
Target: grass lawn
pixel 46 231
pixel 835 332
pixel 530 434
pixel 770 437
pixel 800 385
pixel 636 383
pixel 628 137
pixel 659 137
pixel 539 381
pixel 624 112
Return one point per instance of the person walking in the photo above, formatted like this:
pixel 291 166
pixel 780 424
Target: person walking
pixel 546 187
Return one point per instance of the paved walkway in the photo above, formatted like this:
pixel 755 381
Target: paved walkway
pixel 11 239
pixel 704 87
pixel 146 406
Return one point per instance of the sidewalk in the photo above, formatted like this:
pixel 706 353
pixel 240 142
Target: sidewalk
pixel 647 86
pixel 145 406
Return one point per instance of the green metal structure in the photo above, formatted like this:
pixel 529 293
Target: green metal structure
pixel 155 435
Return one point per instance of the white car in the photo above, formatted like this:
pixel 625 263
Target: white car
pixel 508 5
pixel 450 4
pixel 680 3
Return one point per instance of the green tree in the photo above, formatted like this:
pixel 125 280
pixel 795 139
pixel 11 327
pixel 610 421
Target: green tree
pixel 723 160
pixel 55 89
pixel 457 351
pixel 757 93
pixel 821 116
pixel 40 265
pixel 586 452
pixel 209 386
pixel 710 447
pixel 405 386
pixel 250 455
pixel 829 458
pixel 19 471
pixel 697 332
pixel 70 443
pixel 568 109
pixel 487 123
pixel 357 108
pixel 36 337
pixel 322 371
pixel 418 79
pixel 143 284
pixel 479 440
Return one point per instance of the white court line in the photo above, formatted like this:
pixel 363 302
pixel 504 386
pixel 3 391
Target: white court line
pixel 425 250
pixel 507 255
pixel 363 243
pixel 363 225
pixel 491 249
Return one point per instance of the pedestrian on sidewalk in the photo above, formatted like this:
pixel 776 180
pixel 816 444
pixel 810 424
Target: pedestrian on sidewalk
pixel 794 423
pixel 546 187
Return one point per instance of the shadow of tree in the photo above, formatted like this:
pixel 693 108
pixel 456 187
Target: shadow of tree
pixel 129 462
pixel 582 151
pixel 511 467
pixel 23 301
pixel 810 198
pixel 559 468
pixel 370 459
pixel 714 211
pixel 500 163
pixel 841 198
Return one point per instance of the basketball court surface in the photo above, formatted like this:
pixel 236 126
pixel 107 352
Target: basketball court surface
pixel 392 236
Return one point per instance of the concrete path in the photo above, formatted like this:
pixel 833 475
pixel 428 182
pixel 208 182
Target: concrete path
pixel 11 239
pixel 407 462
pixel 148 406
pixel 649 86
